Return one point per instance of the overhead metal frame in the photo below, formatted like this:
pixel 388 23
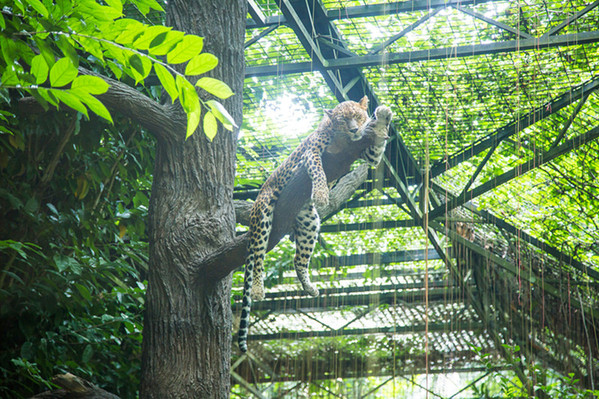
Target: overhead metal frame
pixel 342 72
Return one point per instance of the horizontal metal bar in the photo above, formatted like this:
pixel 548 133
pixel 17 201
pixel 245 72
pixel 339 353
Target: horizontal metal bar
pixel 415 329
pixel 380 258
pixel 375 10
pixel 465 51
pixel 428 55
pixel 327 302
pixel 359 289
pixel 361 226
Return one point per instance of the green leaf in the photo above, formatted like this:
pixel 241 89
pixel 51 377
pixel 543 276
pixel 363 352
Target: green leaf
pixel 216 87
pixel 210 126
pixel 10 78
pixel 222 115
pixel 62 73
pixel 187 94
pixel 167 81
pixel 71 100
pixel 201 63
pixel 64 263
pixel 39 69
pixel 99 12
pixel 116 4
pixel 47 95
pixel 84 292
pixel 95 105
pixel 141 67
pixel 39 7
pixel 144 41
pixel 90 84
pixel 189 47
pixel 144 6
pixel 9 50
pixel 193 120
pixel 88 351
pixel 164 42
pixel 130 32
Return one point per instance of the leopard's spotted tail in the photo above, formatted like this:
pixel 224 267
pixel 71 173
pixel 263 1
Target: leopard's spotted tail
pixel 246 305
pixel 260 224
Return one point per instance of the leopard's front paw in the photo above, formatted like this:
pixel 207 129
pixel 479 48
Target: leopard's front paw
pixel 383 114
pixel 321 198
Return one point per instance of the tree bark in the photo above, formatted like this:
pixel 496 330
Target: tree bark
pixel 187 325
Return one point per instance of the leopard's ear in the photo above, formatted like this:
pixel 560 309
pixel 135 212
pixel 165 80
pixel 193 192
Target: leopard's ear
pixel 329 113
pixel 364 102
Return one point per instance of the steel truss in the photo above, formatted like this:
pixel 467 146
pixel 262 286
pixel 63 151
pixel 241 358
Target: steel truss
pixel 421 197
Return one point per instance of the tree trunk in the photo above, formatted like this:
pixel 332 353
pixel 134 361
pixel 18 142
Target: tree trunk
pixel 187 325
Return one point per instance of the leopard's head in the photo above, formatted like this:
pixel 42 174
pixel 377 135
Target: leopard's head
pixel 348 117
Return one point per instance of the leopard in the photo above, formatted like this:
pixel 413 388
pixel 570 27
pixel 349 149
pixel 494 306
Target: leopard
pixel 347 121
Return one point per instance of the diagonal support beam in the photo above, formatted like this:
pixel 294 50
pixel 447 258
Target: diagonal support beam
pixel 256 13
pixel 502 224
pixel 490 21
pixel 570 19
pixel 540 113
pixel 394 38
pixel 519 170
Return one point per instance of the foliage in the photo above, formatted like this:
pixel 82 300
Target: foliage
pixel 74 189
pixel 42 42
pixel 543 379
pixel 73 252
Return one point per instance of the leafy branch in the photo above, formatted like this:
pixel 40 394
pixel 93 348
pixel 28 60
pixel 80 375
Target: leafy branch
pixel 124 46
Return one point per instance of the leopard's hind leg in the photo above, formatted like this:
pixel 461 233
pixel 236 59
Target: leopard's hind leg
pixel 306 229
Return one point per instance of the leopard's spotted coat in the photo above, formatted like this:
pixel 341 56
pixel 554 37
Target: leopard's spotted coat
pixel 348 119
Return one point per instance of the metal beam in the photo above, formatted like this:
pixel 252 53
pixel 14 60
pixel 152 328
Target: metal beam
pixel 490 21
pixel 522 235
pixel 374 60
pixel 571 19
pixel 453 325
pixel 413 255
pixel 326 302
pixel 256 13
pixel 361 226
pixel 566 98
pixel 529 276
pixel 358 289
pixel 262 34
pixel 517 171
pixel 375 10
pixel 394 38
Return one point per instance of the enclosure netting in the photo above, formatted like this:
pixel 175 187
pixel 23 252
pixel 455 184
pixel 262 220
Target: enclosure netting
pixel 467 264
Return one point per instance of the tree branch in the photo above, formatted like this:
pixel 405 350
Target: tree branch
pixel 124 99
pixel 293 197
